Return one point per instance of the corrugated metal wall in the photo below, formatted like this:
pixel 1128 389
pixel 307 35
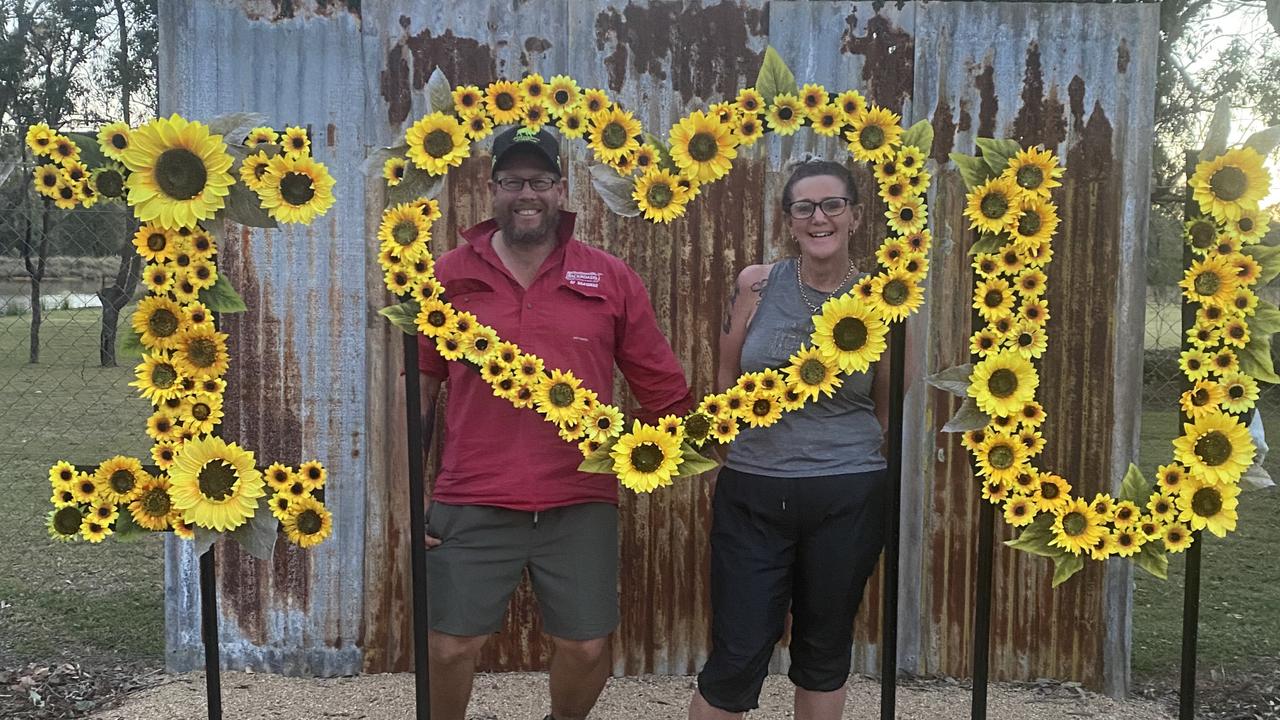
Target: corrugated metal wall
pixel 318 373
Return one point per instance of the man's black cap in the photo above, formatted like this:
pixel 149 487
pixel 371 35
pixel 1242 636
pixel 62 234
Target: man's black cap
pixel 521 139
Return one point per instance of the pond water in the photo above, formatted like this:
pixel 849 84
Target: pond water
pixel 15 297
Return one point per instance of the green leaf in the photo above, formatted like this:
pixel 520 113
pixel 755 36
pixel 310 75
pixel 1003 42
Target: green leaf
pixel 1266 320
pixel 1268 256
pixel 1135 488
pixel 374 162
pixel 967 418
pixel 775 77
pixel 416 184
pixel 222 297
pixel 129 342
pixel 1215 142
pixel 1153 559
pixel 126 529
pixel 919 136
pixel 439 92
pixel 258 535
pixel 973 170
pixel 954 380
pixel 997 153
pixel 245 207
pixel 403 316
pixel 234 127
pixel 693 462
pixel 90 152
pixel 987 243
pixel 1064 566
pixel 1035 538
pixel 600 461
pixel 1255 359
pixel 615 190
pixel 1264 141
pixel 664 152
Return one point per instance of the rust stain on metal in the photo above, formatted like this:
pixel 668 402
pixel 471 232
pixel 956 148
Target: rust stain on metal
pixel 1040 119
pixel 330 135
pixel 888 68
pixel 944 131
pixel 1075 98
pixel 464 60
pixel 712 40
pixel 1122 57
pixel 275 10
pixel 966 120
pixel 989 103
pixel 536 44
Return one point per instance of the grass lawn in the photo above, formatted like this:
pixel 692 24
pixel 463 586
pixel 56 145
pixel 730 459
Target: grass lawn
pixel 69 601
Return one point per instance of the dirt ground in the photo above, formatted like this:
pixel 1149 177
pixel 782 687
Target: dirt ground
pixel 522 696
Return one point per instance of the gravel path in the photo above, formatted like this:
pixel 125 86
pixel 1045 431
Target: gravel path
pixel 522 696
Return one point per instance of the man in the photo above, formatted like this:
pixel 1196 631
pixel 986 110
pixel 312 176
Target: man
pixel 509 496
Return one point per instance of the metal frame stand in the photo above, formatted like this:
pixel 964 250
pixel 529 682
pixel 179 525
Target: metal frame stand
pixel 418 438
pixel 889 621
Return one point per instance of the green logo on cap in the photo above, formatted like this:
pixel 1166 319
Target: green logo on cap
pixel 525 134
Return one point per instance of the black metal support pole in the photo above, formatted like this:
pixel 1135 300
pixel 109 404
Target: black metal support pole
pixel 1191 584
pixel 889 623
pixel 417 524
pixel 209 634
pixel 982 609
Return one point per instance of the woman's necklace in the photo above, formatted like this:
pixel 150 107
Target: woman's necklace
pixel 805 296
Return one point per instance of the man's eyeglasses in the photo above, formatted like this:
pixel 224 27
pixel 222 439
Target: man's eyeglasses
pixel 515 184
pixel 804 209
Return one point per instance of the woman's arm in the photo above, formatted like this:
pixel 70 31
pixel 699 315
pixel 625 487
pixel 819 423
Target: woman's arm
pixel 747 292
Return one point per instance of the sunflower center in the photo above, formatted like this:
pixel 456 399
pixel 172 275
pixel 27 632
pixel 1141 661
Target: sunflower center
pixel 201 411
pixel 405 233
pixel 155 503
pixel 297 188
pixel 697 426
pixel 1235 392
pixel 122 481
pixel 1029 177
pixel 993 299
pixel 1207 283
pixel 613 136
pixel 309 522
pixel 1003 383
pixel 1202 234
pixel 703 147
pixel 1213 448
pixel 660 195
pixel 761 407
pixel 163 376
pixel 1001 457
pixel 67 521
pixel 895 292
pixel 110 183
pixel 202 352
pixel 217 480
pixel 1049 491
pixel 812 371
pixel 1074 523
pixel 162 322
pixel 1229 183
pixel 850 334
pixel 1245 224
pixel 871 137
pixel 994 206
pixel 180 173
pixel 561 395
pixel 259 169
pixel 646 457
pixel 1206 502
pixel 1029 223
pixel 907 214
pixel 1200 398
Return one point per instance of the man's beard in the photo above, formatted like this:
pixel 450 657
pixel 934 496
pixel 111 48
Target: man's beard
pixel 532 236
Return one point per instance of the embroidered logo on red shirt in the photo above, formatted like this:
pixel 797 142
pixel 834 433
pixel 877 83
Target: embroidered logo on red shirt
pixel 585 278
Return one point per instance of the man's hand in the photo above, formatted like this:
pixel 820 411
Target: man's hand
pixel 432 541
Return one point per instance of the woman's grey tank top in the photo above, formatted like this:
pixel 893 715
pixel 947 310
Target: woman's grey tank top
pixel 830 436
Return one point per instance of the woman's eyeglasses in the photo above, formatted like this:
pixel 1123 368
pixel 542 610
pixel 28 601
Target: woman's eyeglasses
pixel 804 209
pixel 515 184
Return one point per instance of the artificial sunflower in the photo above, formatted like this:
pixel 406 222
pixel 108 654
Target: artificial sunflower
pixel 119 479
pixel 64 149
pixel 66 194
pixel 897 294
pixel 1035 311
pixel 1247 269
pixel 202 274
pixel 612 134
pixel 874 135
pixel 1204 504
pixel 437 142
pixel 910 160
pixel 535 115
pixel 993 299
pixel 201 413
pixel 478 345
pixel 48 177
pixel 1019 511
pixel 94 530
pixel 253 170
pixel 405 231
pixel 1195 364
pixel 296 189
pixel 393 170
pixel 214 484
pixel 113 139
pixel 295 142
pixel 1035 222
pixel 1001 458
pixel 1250 227
pixel 907 216
pixel 1162 507
pixel 40 139
pixel 1216 448
pixel 1076 528
pixel 1034 171
pixel 263 135
pixel 595 100
pixel 659 196
pixel 603 422
pixel 573 123
pixel 848 334
pixel 702 147
pixel 827 120
pixel 63 523
pixel 158 377
pixel 1177 537
pixel 1211 280
pixel 786 114
pixel 308 522
pixel 201 353
pixel 1029 340
pixel 152 507
pixel 1240 390
pixel 179 172
pixel 562 94
pixel 993 206
pixel 749 100
pixel 984 342
pixel 645 458
pixel 762 410
pixel 559 397
pixel 1003 383
pixel 1230 184
pixel 159 321
pixel 1053 493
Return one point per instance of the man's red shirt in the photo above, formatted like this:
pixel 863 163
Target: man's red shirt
pixel 585 311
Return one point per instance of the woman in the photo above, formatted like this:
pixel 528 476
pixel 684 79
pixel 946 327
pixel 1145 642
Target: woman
pixel 798 506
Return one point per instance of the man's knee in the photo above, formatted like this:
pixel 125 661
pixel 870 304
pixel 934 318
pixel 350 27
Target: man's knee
pixel 447 649
pixel 583 652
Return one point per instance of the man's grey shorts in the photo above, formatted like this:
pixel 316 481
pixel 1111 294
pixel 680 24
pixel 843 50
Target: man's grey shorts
pixel 571 554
